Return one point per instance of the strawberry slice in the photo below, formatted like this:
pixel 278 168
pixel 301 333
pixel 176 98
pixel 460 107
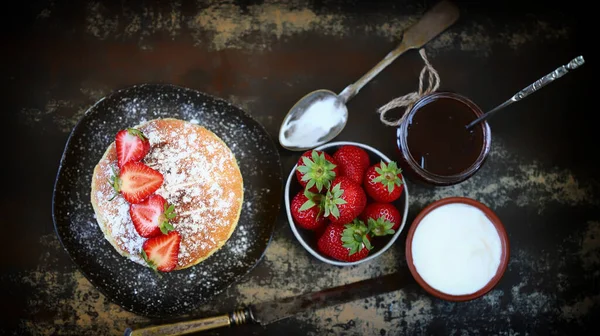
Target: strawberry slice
pixel 136 182
pixel 160 253
pixel 151 217
pixel 132 145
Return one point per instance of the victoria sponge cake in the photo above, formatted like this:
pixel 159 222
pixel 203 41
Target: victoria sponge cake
pixel 199 179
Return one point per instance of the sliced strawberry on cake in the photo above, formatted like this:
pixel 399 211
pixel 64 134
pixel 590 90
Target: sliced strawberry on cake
pixel 136 182
pixel 132 145
pixel 151 217
pixel 160 253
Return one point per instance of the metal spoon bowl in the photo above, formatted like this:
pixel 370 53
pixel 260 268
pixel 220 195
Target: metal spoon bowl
pixel 297 111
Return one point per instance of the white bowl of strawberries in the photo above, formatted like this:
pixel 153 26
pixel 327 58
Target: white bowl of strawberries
pixel 346 202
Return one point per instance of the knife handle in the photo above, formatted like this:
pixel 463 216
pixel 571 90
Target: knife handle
pixel 238 317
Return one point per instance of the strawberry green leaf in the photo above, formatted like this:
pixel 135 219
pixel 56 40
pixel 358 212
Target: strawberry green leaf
pixel 355 237
pixel 137 133
pixel 335 212
pixel 380 226
pixel 347 239
pixel 319 185
pixel 115 182
pixel 367 243
pixel 308 162
pixel 150 263
pixel 316 171
pixel 307 205
pixel 332 199
pixel 388 175
pixel 312 200
pixel 390 187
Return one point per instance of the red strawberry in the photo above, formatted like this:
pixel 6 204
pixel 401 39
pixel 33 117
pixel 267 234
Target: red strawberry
pixel 316 170
pixel 132 145
pixel 381 218
pixel 383 182
pixel 345 242
pixel 160 253
pixel 353 162
pixel 137 181
pixel 151 217
pixel 307 210
pixel 344 201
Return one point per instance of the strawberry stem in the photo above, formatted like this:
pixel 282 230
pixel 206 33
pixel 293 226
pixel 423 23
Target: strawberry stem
pixel 388 175
pixel 355 237
pixel 317 171
pixel 137 133
pixel 168 214
pixel 115 183
pixel 332 199
pixel 380 226
pixel 150 263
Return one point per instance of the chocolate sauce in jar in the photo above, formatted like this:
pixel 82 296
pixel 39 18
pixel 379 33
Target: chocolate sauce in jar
pixel 434 145
pixel 438 139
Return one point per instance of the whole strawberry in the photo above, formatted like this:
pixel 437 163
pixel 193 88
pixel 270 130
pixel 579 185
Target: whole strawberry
pixel 307 211
pixel 383 182
pixel 345 242
pixel 316 170
pixel 344 201
pixel 353 162
pixel 381 218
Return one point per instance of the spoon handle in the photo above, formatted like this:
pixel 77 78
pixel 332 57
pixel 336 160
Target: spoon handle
pixel 549 78
pixel 538 84
pixel 352 89
pixel 434 21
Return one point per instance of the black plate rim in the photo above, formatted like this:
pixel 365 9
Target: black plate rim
pixel 60 168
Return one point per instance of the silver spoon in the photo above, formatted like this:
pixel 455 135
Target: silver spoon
pixel 433 22
pixel 540 83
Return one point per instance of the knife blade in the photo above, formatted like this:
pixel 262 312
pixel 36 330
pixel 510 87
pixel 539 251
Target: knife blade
pixel 271 311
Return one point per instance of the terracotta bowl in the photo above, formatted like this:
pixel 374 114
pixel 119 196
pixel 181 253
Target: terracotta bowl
pixel 504 257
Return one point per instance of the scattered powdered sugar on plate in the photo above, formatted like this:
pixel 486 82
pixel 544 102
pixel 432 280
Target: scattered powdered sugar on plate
pixel 136 287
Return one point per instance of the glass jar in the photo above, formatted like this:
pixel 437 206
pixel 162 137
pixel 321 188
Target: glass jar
pixel 441 111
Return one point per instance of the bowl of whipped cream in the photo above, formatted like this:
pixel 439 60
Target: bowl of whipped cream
pixel 457 249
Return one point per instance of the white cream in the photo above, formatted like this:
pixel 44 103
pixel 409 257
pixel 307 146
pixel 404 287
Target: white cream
pixel 456 249
pixel 314 123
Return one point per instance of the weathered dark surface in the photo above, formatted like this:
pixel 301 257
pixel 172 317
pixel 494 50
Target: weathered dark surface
pixel 59 57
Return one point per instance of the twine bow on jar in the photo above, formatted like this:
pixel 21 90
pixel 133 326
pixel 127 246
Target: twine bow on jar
pixel 408 100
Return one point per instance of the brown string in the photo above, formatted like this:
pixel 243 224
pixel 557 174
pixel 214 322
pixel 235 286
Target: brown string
pixel 408 100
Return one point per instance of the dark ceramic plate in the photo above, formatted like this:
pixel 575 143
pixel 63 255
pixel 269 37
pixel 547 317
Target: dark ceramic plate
pixel 135 287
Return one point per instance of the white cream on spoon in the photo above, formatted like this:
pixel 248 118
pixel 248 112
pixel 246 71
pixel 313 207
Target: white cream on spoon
pixel 317 121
